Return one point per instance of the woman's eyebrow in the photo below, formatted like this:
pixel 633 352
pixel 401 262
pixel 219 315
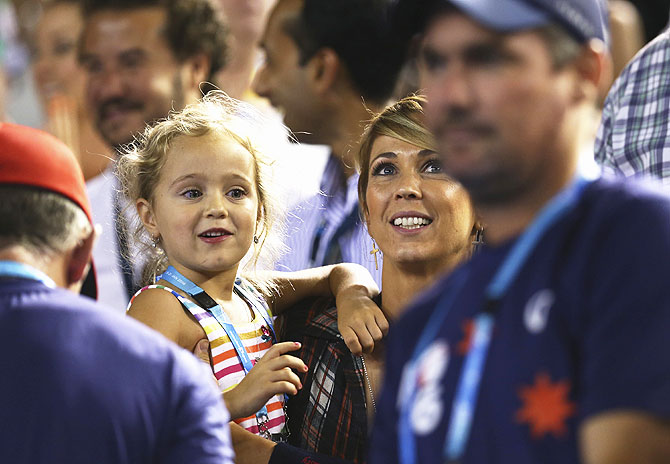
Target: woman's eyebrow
pixel 386 154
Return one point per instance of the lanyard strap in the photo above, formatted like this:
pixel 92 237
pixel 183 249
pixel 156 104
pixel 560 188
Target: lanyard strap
pixel 177 279
pixel 463 407
pixel 24 271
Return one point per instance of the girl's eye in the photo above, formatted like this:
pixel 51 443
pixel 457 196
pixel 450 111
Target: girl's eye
pixel 383 169
pixel 433 167
pixel 237 193
pixel 192 194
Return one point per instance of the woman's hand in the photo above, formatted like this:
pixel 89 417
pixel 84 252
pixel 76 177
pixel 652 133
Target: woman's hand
pixel 361 322
pixel 271 375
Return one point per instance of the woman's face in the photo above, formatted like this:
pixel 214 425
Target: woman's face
pixel 416 214
pixel 55 63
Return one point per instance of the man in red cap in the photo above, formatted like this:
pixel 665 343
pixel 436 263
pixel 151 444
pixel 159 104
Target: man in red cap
pixel 80 384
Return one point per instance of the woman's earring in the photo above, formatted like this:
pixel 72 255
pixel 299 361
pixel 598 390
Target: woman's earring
pixel 374 252
pixel 154 242
pixel 255 240
pixel 479 239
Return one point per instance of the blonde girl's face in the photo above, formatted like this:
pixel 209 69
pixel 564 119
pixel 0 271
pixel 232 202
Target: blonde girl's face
pixel 205 205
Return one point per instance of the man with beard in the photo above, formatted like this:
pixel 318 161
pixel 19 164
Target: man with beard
pixel 143 58
pixel 550 345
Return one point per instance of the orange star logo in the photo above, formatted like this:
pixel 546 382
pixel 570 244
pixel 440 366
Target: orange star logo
pixel 468 327
pixel 545 406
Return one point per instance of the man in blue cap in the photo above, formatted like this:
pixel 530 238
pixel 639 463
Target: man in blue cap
pixel 547 347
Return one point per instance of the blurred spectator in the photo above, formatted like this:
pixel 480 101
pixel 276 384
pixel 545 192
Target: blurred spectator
pixel 60 84
pixel 634 134
pixel 245 20
pixel 326 63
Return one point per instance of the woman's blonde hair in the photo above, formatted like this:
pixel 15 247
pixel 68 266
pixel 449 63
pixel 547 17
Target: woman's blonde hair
pixel 404 121
pixel 140 164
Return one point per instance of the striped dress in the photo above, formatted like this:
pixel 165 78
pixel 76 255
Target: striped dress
pixel 226 365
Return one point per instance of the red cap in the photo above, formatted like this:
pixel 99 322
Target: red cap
pixel 32 157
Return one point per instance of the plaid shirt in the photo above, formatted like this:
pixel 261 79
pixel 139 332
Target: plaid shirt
pixel 634 134
pixel 328 414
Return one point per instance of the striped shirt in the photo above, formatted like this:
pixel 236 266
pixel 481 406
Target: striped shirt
pixel 634 134
pixel 226 365
pixel 326 228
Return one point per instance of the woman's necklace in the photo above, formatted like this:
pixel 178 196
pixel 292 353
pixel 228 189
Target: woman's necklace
pixel 367 379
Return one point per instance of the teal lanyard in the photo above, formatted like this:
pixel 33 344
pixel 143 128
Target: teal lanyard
pixel 464 403
pixel 23 271
pixel 174 277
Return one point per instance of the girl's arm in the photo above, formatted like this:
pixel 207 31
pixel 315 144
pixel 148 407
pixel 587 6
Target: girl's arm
pixel 360 320
pixel 161 311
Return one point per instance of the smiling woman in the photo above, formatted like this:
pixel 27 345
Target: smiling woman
pixel 424 224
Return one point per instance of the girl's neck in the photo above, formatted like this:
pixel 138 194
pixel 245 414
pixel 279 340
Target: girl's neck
pixel 217 285
pixel 401 282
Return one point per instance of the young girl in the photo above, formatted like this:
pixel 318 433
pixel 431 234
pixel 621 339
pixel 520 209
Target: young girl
pixel 199 186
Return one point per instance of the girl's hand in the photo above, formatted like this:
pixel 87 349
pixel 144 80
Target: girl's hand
pixel 361 322
pixel 270 376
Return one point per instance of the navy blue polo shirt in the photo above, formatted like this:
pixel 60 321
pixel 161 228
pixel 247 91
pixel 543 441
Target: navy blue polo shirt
pixel 582 330
pixel 79 384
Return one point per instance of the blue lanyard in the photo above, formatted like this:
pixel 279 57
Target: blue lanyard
pixel 177 279
pixel 464 403
pixel 23 271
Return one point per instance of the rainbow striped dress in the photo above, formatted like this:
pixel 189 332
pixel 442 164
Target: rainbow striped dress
pixel 226 365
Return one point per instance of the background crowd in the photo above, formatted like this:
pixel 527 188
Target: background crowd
pixel 276 185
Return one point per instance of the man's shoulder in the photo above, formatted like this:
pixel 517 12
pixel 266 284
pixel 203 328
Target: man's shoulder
pixel 619 199
pixel 70 322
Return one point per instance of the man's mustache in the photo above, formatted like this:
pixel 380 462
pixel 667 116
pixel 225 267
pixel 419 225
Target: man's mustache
pixel 118 104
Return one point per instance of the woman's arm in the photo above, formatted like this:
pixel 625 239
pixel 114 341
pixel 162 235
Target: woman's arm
pixel 360 320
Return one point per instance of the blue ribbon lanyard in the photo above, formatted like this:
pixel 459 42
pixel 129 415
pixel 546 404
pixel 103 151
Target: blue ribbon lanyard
pixel 464 403
pixel 174 277
pixel 23 271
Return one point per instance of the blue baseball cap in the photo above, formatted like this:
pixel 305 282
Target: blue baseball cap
pixel 583 19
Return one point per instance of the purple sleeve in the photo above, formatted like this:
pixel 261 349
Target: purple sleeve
pixel 201 433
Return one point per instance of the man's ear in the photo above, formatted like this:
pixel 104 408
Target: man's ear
pixel 146 214
pixel 324 69
pixel 594 70
pixel 79 260
pixel 196 71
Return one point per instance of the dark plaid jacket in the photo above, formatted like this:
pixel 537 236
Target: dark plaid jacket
pixel 328 415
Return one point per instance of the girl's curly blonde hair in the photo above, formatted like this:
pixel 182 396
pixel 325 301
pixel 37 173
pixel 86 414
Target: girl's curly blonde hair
pixel 139 167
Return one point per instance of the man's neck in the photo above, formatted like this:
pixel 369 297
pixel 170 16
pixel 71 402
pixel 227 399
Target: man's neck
pixel 349 122
pixel 51 265
pixel 506 220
